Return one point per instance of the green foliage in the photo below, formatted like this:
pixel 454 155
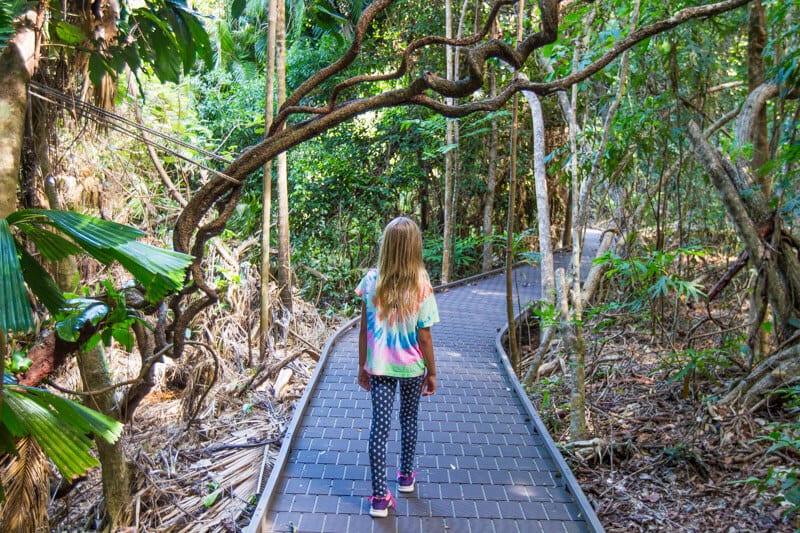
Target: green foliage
pixel 15 314
pixel 9 9
pixel 694 364
pixel 165 37
pixel 159 271
pixel 230 106
pixel 17 363
pixel 542 392
pixel 61 427
pixel 214 492
pixel 111 319
pixel 466 253
pixel 520 243
pixel 309 54
pixel 643 280
pixel 784 23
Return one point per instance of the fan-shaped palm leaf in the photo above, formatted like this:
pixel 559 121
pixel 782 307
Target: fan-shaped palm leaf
pixel 159 271
pixel 15 311
pixel 58 425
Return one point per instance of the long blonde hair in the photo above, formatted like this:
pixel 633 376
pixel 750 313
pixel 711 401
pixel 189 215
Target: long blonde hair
pixel 402 279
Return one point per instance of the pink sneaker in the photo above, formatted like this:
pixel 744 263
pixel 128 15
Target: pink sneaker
pixel 406 483
pixel 380 506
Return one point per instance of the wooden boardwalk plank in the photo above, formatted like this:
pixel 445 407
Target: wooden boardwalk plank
pixel 485 462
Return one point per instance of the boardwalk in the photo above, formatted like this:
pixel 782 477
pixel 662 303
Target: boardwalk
pixel 486 463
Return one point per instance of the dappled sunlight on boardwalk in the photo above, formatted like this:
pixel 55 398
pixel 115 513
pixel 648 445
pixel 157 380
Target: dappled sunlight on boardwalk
pixel 484 462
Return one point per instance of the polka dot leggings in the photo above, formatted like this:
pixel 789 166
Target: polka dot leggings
pixel 382 391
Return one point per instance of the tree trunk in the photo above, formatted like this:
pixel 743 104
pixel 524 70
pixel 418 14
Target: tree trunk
pixel 576 355
pixel 491 183
pixel 542 199
pixel 284 244
pixel 65 272
pixel 115 471
pixel 773 373
pixel 447 228
pixel 266 187
pixel 756 42
pixel 513 347
pixel 16 69
pixel 744 207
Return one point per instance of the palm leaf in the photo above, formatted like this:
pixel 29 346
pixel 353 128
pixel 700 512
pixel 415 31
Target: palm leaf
pixel 52 246
pixel 79 416
pixel 58 425
pixel 15 310
pixel 41 283
pixel 9 9
pixel 25 478
pixel 159 271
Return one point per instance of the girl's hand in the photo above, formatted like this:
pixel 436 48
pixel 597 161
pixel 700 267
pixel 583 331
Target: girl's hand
pixel 363 379
pixel 429 385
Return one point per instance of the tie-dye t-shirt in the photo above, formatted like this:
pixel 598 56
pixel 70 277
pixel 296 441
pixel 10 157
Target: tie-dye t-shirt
pixel 393 349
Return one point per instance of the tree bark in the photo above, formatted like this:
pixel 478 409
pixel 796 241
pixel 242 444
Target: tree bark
pixel 770 375
pixel 449 157
pixel 756 42
pixel 16 69
pixel 513 347
pixel 284 242
pixel 542 199
pixel 491 185
pixel 115 471
pixel 576 352
pixel 266 187
pixel 782 274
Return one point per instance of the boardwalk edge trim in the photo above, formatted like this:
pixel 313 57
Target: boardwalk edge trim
pixel 569 478
pixel 260 512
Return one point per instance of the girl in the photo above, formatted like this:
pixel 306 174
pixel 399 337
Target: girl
pixel 395 347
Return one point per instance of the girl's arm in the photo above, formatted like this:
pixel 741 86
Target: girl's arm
pixel 426 346
pixel 363 376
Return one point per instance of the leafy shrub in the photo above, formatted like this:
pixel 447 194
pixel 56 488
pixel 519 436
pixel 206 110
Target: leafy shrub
pixel 643 284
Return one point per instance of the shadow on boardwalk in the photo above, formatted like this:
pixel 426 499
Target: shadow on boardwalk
pixel 486 463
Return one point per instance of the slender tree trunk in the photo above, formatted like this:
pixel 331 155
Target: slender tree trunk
pixel 447 229
pixel 512 200
pixel 491 183
pixel 756 42
pixel 284 244
pixel 266 186
pixel 576 352
pixel 542 199
pixel 115 471
pixel 16 69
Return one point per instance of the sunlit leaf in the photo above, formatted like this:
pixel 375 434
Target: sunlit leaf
pixel 15 311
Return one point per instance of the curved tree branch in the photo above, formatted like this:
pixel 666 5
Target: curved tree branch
pixel 190 234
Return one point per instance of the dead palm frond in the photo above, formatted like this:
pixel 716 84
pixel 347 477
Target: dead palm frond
pixel 26 482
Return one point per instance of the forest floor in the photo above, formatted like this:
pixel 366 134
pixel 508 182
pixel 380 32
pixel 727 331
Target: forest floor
pixel 660 461
pixel 662 454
